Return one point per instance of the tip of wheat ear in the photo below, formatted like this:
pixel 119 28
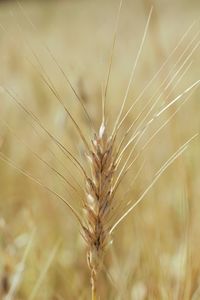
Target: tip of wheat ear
pixel 98 198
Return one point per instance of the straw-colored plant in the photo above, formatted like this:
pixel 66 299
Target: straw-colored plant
pixel 109 155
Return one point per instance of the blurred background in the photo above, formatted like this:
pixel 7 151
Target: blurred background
pixel 154 254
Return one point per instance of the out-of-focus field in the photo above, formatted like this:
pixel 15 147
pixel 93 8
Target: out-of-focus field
pixel 155 251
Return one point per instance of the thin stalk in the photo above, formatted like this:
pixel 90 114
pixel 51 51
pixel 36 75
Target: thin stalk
pixel 94 294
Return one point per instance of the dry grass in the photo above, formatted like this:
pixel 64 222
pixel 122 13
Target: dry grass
pixel 99 143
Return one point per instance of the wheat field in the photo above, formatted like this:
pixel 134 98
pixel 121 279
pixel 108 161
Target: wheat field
pixel 69 54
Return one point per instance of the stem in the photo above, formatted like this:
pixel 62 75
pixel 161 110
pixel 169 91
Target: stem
pixel 93 284
pixel 94 296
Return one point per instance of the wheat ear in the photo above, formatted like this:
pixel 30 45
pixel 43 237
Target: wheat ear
pixel 104 155
pixel 98 201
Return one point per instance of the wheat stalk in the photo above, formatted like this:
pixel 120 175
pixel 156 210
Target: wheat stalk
pixel 104 154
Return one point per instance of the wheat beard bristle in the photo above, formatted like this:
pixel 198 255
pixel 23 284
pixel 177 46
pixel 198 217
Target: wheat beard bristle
pixel 98 199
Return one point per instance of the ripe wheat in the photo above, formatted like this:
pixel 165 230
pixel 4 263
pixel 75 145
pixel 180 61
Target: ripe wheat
pixel 105 154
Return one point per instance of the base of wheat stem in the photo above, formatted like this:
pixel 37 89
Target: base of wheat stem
pixel 93 285
pixel 94 295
